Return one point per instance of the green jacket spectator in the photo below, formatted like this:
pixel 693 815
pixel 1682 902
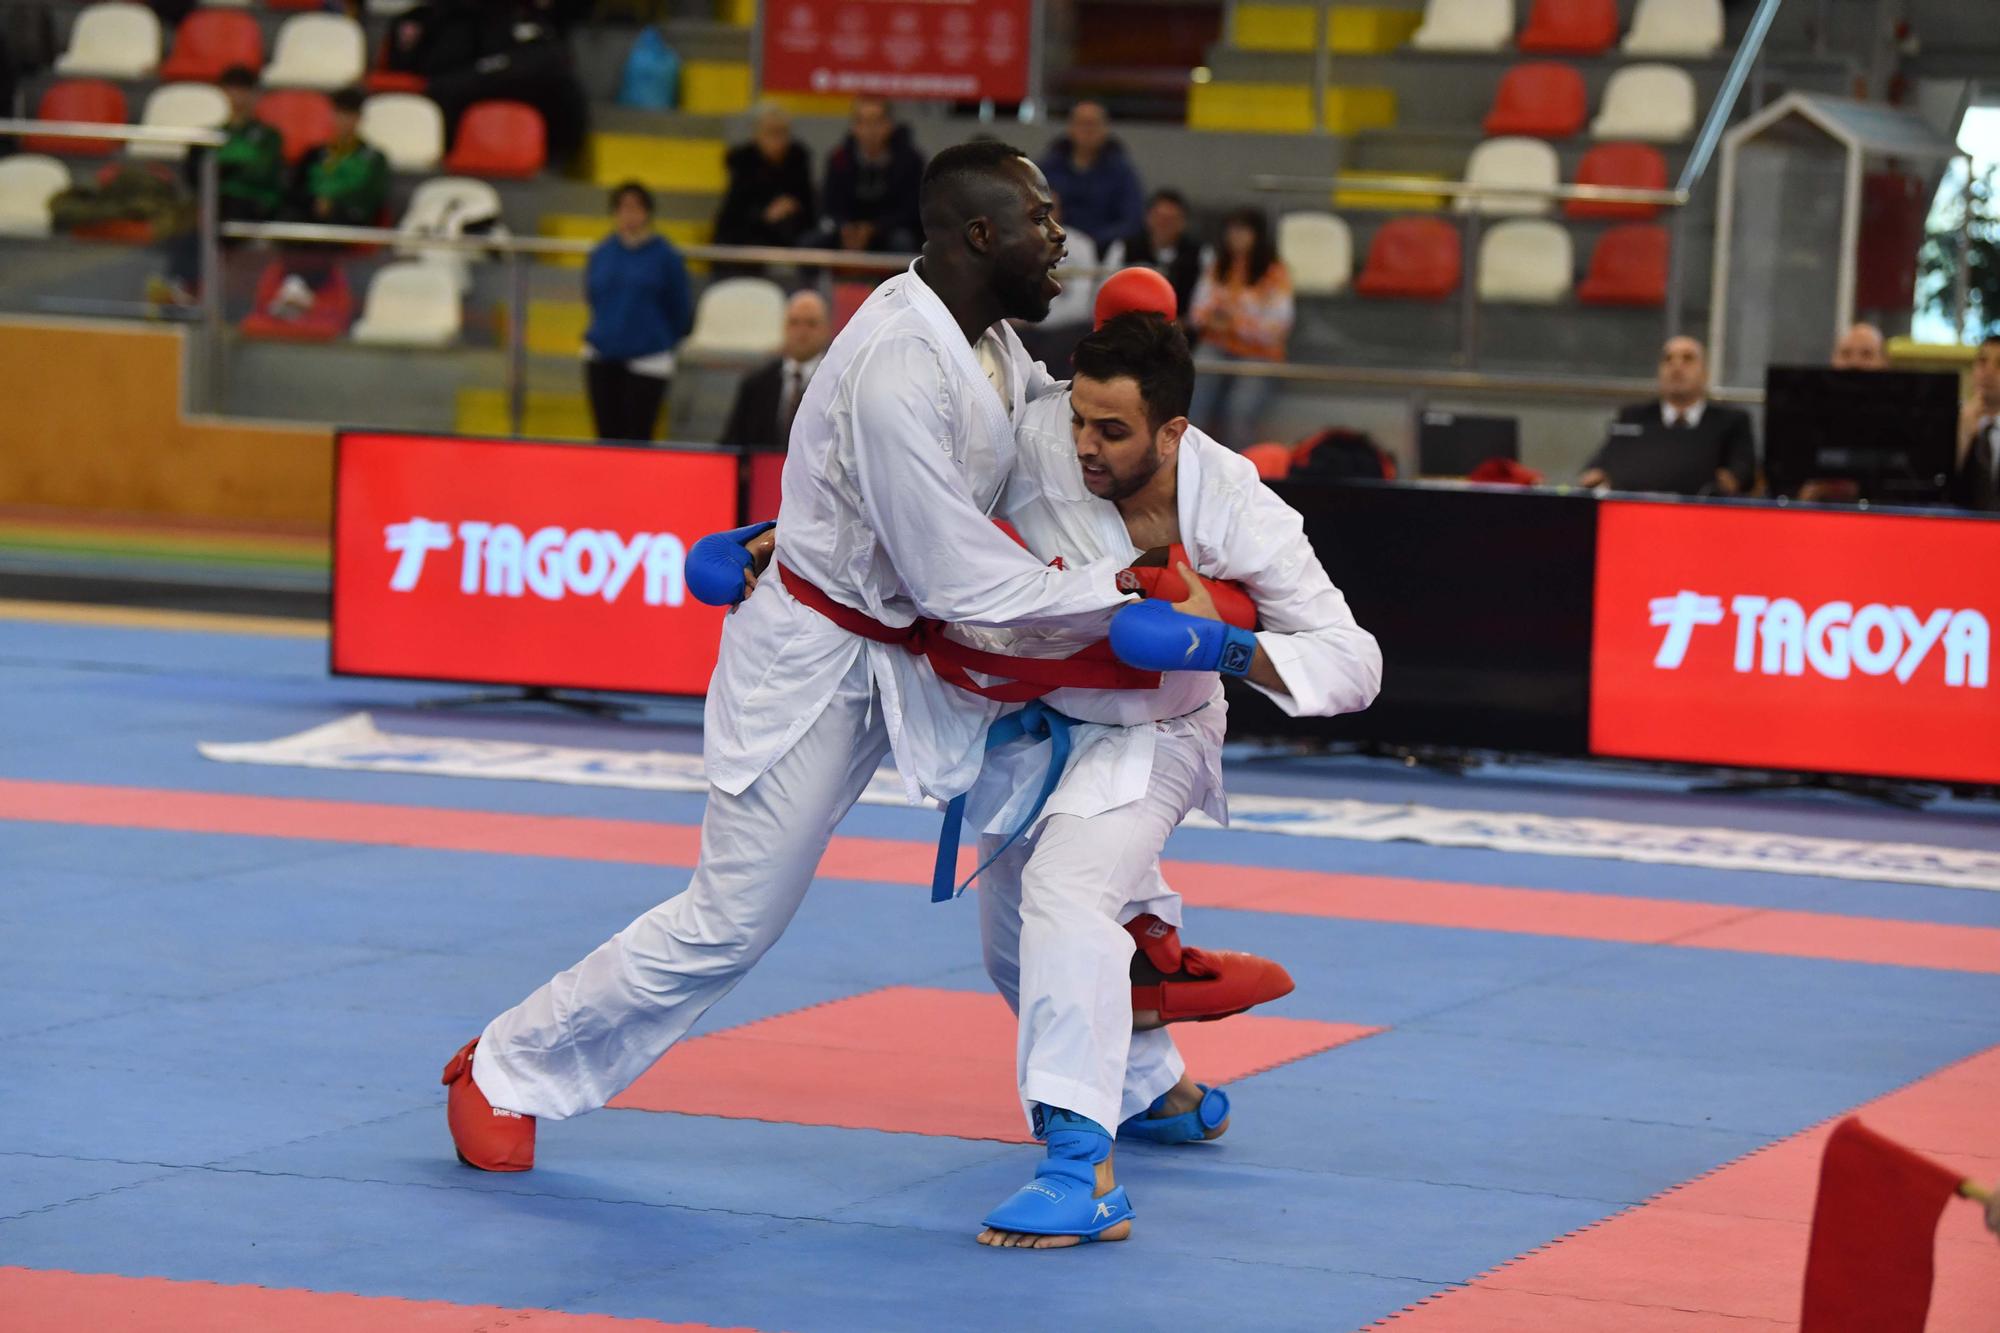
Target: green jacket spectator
pixel 345 183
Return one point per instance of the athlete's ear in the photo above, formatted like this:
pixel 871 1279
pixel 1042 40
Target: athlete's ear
pixel 1168 439
pixel 979 236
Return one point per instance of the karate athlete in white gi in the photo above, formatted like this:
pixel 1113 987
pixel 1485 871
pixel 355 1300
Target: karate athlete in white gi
pixel 898 455
pixel 1113 471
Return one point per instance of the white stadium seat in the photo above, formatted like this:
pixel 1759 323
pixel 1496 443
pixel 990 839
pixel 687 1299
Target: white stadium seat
pixel 737 317
pixel 1648 102
pixel 442 207
pixel 112 41
pixel 410 305
pixel 1465 25
pixel 1526 262
pixel 407 127
pixel 1512 160
pixel 1318 251
pixel 1676 28
pixel 28 181
pixel 324 51
pixel 181 106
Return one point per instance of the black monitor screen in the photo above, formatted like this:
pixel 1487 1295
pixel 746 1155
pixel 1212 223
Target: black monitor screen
pixel 1893 432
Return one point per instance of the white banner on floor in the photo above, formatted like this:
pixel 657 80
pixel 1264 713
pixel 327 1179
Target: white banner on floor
pixel 355 742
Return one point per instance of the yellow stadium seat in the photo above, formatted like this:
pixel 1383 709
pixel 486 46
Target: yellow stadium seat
pixel 685 166
pixel 715 87
pixel 555 328
pixel 1351 110
pixel 1273 28
pixel 548 415
pixel 1254 108
pixel 1363 31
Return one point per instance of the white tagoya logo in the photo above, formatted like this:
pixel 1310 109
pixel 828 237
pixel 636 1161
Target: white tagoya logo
pixel 552 562
pixel 1775 636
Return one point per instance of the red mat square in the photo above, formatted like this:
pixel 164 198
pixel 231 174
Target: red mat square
pixel 916 1061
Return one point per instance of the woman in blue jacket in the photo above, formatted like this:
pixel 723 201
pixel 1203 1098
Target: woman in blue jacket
pixel 640 309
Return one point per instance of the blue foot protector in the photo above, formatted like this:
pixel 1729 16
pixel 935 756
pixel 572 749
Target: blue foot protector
pixel 1187 1127
pixel 1059 1200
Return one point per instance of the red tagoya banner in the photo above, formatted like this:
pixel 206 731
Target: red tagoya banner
pixel 952 50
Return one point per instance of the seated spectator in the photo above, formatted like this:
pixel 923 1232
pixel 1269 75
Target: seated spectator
pixel 1090 172
pixel 872 179
pixel 250 184
pixel 1977 483
pixel 481 50
pixel 768 397
pixel 1071 314
pixel 344 182
pixel 1861 348
pixel 770 196
pixel 1243 312
pixel 1164 243
pixel 1681 443
pixel 640 309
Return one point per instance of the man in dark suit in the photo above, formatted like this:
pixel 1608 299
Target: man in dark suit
pixel 1977 482
pixel 768 397
pixel 1681 443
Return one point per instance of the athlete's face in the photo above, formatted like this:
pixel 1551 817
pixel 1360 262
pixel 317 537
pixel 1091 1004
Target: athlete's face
pixel 1116 445
pixel 1026 245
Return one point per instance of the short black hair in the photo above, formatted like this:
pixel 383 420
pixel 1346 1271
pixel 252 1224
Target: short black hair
pixel 957 183
pixel 238 76
pixel 349 100
pixel 1145 346
pixel 1168 195
pixel 637 191
pixel 1990 340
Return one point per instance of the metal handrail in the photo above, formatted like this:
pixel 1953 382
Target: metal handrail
pixel 1468 382
pixel 85 129
pixel 1747 53
pixel 1387 183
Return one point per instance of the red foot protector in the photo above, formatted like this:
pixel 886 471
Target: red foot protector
pixel 1197 985
pixel 490 1139
pixel 949 1055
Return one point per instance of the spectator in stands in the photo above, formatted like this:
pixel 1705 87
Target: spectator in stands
pixel 1977 484
pixel 770 196
pixel 1243 312
pixel 1861 348
pixel 1165 243
pixel 768 397
pixel 1680 443
pixel 481 50
pixel 640 309
pixel 1090 172
pixel 872 179
pixel 250 184
pixel 344 182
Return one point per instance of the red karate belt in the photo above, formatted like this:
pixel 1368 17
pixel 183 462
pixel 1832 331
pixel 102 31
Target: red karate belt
pixel 1874 1229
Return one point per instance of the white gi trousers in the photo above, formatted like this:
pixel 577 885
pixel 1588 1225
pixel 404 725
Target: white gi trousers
pixel 583 1037
pixel 1052 913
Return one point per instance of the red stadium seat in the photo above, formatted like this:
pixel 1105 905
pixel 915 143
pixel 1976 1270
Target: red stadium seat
pixel 1629 267
pixel 1571 27
pixel 90 100
pixel 304 119
pixel 1273 460
pixel 1418 258
pixel 327 321
pixel 294 4
pixel 505 139
pixel 384 80
pixel 1544 99
pixel 209 41
pixel 1624 166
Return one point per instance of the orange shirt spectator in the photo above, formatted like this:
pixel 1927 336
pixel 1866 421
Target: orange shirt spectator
pixel 1242 312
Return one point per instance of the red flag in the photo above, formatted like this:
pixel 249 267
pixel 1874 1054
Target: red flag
pixel 1873 1233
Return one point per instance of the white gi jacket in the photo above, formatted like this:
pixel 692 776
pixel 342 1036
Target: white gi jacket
pixel 1233 527
pixel 897 459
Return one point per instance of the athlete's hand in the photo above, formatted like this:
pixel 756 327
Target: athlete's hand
pixel 760 548
pixel 1198 602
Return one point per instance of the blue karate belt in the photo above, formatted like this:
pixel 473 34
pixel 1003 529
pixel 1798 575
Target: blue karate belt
pixel 1036 720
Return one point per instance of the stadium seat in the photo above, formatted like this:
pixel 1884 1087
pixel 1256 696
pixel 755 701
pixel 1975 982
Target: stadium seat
pixel 1629 267
pixel 410 305
pixel 407 127
pixel 332 310
pixel 1543 99
pixel 324 51
pixel 1623 166
pixel 210 41
pixel 1570 27
pixel 178 106
pixel 1273 461
pixel 1652 102
pixel 1526 261
pixel 1318 249
pixel 1418 258
pixel 1676 28
pixel 28 181
pixel 1465 25
pixel 112 41
pixel 504 139
pixel 440 207
pixel 1512 160
pixel 303 118
pixel 737 317
pixel 90 100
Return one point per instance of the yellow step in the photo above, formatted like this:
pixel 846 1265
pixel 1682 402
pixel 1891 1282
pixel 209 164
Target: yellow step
pixel 1367 31
pixel 715 87
pixel 736 13
pixel 1273 28
pixel 812 104
pixel 590 227
pixel 685 166
pixel 549 415
pixel 555 328
pixel 1277 108
pixel 1392 201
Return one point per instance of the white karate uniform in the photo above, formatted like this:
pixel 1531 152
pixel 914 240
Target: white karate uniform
pixel 1053 906
pixel 898 455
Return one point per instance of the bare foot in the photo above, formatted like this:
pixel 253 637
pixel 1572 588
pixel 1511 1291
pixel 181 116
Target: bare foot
pixel 1183 1097
pixel 1021 1240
